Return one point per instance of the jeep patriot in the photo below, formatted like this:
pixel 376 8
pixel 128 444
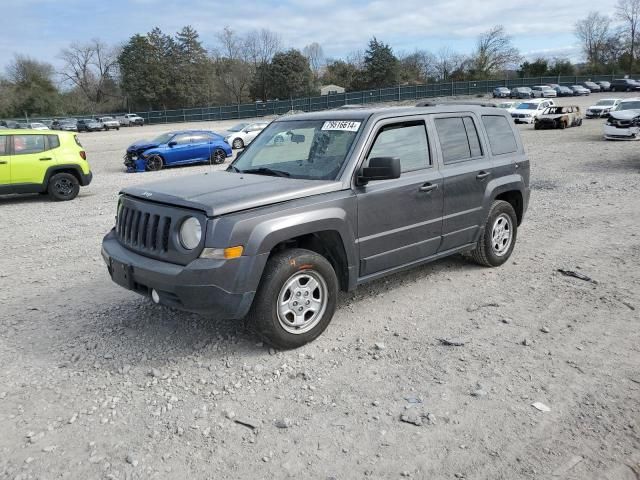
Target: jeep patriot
pixel 320 202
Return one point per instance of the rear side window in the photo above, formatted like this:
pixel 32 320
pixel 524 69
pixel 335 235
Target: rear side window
pixel 501 138
pixel 52 142
pixel 3 145
pixel 407 141
pixel 458 139
pixel 26 144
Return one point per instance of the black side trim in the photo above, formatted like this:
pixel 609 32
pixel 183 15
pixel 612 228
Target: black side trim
pixel 22 188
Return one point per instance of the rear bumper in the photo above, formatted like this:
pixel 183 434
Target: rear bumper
pixel 204 286
pixel 85 178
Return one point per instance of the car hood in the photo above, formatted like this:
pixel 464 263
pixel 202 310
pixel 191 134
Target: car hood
pixel 141 146
pixel 625 114
pixel 220 193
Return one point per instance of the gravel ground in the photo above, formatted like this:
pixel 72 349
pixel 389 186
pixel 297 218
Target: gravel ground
pixel 96 382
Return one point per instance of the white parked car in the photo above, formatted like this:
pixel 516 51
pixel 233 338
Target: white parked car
pixel 130 120
pixel 543 91
pixel 529 110
pixel 242 134
pixel 602 108
pixel 624 121
pixel 108 123
pixel 37 126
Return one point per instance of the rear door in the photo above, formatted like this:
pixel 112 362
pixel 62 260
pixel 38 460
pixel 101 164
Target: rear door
pixel 5 160
pixel 31 156
pixel 400 220
pixel 467 168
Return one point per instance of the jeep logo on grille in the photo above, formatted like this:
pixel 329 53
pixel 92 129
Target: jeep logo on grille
pixel 147 194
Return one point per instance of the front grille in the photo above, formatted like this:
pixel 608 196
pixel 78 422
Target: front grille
pixel 143 230
pixel 151 229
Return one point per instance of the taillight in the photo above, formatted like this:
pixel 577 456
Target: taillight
pixel 83 154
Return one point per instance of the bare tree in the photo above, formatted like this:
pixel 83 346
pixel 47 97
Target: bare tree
pixel 593 33
pixel 89 67
pixel 447 63
pixel 315 55
pixel 494 53
pixel 231 64
pixel 628 12
pixel 261 46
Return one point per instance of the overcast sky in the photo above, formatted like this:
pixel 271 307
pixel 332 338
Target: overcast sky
pixel 40 28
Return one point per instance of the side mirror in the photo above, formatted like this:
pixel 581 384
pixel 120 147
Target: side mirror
pixel 380 168
pixel 172 143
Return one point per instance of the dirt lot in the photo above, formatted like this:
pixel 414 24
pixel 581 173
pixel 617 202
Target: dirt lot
pixel 96 382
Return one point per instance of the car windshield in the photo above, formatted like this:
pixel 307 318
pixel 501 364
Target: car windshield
pixel 307 149
pixel 107 119
pixel 528 106
pixel 238 127
pixel 604 103
pixel 162 139
pixel 505 105
pixel 635 105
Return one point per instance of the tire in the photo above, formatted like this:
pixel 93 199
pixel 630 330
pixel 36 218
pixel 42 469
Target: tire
pixel 579 122
pixel 563 125
pixel 155 163
pixel 284 279
pixel 501 221
pixel 63 187
pixel 237 143
pixel 536 126
pixel 218 156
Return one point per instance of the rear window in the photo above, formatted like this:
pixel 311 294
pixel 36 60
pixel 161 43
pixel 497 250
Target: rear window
pixel 52 142
pixel 458 139
pixel 501 138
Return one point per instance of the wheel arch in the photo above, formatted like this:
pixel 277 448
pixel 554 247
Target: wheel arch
pixel 74 170
pixel 509 189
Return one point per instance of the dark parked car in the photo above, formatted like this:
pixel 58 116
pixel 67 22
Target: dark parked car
pixel 592 87
pixel 88 125
pixel 501 92
pixel 580 90
pixel 354 196
pixel 179 148
pixel 624 85
pixel 521 92
pixel 10 124
pixel 604 86
pixel 563 91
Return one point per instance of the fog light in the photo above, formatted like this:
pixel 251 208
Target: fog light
pixel 155 296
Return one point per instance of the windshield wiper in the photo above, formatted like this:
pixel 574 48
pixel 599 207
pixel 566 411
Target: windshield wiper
pixel 234 168
pixel 266 171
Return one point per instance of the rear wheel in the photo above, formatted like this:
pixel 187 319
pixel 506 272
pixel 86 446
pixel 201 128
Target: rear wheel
pixel 154 163
pixel 237 143
pixel 63 187
pixel 499 237
pixel 296 299
pixel 218 156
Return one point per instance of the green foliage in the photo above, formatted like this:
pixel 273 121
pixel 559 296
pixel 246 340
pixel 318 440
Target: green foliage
pixel 339 72
pixel 288 75
pixel 30 88
pixel 538 68
pixel 381 66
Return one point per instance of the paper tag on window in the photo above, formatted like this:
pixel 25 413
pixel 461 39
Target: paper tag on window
pixel 344 126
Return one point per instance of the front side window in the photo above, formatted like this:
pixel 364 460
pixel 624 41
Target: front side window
pixel 182 139
pixel 26 144
pixel 501 138
pixel 407 141
pixel 458 139
pixel 3 145
pixel 307 149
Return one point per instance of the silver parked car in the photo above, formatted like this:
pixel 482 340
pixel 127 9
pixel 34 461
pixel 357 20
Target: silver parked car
pixel 501 92
pixel 543 91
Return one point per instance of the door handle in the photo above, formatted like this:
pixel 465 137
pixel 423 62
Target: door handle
pixel 3 162
pixel 482 175
pixel 45 159
pixel 428 187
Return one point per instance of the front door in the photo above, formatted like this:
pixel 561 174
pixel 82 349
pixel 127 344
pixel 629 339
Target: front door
pixel 400 220
pixel 467 168
pixel 5 160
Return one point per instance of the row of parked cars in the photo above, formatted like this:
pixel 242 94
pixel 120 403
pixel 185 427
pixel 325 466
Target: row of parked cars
pixel 78 125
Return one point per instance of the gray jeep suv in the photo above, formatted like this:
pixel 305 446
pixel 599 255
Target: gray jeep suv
pixel 320 202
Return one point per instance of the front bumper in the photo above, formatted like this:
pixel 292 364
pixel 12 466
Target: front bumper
pixel 596 113
pixel 528 120
pixel 615 133
pixel 203 286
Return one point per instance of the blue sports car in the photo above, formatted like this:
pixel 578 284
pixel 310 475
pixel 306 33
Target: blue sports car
pixel 179 148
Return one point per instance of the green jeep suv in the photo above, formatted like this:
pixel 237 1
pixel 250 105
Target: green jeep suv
pixel 42 162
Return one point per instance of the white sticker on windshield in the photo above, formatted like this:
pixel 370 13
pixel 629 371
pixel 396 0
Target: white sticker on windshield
pixel 344 126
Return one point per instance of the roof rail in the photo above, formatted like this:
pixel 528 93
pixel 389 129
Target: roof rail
pixel 438 104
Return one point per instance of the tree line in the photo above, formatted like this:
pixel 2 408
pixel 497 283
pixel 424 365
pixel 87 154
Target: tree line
pixel 159 71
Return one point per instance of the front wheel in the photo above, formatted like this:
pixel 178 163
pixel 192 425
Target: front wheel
pixel 155 163
pixel 296 299
pixel 499 237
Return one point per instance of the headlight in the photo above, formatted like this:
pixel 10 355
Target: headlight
pixel 190 233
